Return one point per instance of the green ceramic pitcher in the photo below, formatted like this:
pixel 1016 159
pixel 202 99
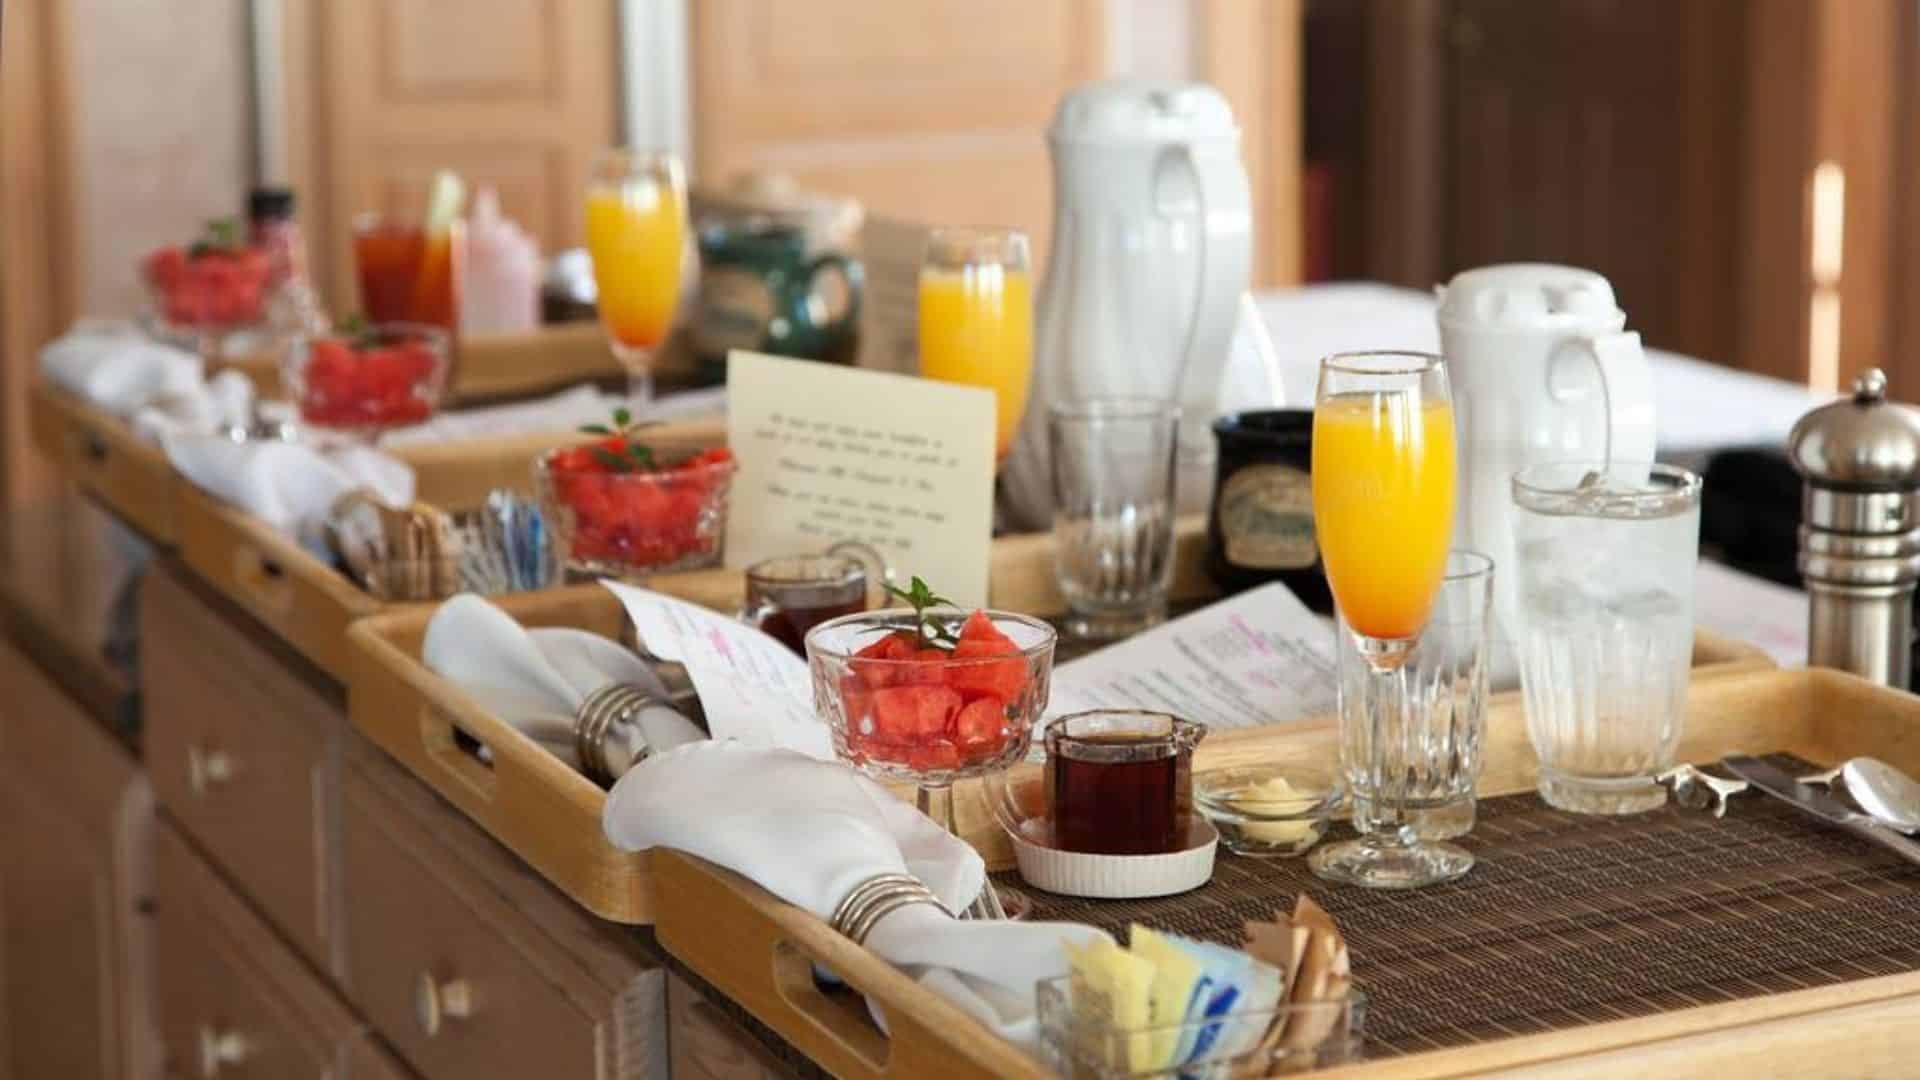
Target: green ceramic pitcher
pixel 760 291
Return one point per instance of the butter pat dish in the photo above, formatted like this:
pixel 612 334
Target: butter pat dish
pixel 1276 810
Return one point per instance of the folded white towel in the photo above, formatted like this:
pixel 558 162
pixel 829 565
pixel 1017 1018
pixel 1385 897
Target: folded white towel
pixel 117 368
pixel 290 486
pixel 536 679
pixel 809 831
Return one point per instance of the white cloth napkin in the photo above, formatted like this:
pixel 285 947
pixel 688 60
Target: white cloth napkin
pixel 535 679
pixel 290 486
pixel 809 831
pixel 114 366
pixel 562 412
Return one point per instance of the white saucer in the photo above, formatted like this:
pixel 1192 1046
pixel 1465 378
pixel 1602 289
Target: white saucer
pixel 1116 877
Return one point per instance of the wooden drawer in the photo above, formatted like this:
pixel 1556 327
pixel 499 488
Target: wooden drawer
pixel 235 1002
pixel 707 1045
pixel 472 967
pixel 244 752
pixel 99 452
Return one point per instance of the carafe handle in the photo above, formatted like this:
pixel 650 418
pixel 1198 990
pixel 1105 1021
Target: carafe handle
pixel 1626 390
pixel 1224 212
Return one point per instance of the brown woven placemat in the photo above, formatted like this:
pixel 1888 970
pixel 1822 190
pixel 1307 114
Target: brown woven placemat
pixel 1570 920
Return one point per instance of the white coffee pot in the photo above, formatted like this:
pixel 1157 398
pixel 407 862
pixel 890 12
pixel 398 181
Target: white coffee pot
pixel 1145 291
pixel 1542 369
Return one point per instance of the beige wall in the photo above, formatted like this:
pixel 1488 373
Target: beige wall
pixel 160 137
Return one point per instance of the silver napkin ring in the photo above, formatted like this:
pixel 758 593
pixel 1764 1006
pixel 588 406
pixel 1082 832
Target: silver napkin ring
pixel 607 733
pixel 874 899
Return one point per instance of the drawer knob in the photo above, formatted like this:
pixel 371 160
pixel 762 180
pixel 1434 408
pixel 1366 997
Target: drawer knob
pixel 435 1002
pixel 218 1048
pixel 207 769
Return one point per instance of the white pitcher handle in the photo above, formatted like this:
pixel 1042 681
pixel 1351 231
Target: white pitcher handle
pixel 1626 390
pixel 1224 210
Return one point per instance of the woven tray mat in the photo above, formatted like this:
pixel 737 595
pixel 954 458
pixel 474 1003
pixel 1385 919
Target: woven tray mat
pixel 1570 920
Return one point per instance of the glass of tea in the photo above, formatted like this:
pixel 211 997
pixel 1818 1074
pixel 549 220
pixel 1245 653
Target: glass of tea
pixel 789 595
pixel 1120 781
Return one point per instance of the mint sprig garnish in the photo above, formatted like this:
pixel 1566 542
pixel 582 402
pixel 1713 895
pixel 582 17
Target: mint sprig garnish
pixel 635 456
pixel 920 597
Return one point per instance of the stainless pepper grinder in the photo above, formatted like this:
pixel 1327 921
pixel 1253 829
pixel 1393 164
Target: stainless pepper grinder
pixel 1859 458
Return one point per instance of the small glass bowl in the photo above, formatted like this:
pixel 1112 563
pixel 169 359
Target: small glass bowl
pixel 393 378
pixel 620 524
pixel 921 719
pixel 1275 810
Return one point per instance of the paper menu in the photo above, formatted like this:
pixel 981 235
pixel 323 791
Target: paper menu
pixel 751 687
pixel 1261 657
pixel 831 453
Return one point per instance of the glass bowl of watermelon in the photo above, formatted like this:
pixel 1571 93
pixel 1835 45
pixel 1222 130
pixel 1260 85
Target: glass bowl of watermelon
pixel 618 510
pixel 367 379
pixel 930 695
pixel 215 286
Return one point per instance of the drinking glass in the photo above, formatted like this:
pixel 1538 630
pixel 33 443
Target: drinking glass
pixel 1113 477
pixel 405 272
pixel 976 318
pixel 1605 556
pixel 1438 754
pixel 636 232
pixel 1383 480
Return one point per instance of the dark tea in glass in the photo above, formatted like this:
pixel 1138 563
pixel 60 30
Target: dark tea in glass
pixel 788 596
pixel 1119 782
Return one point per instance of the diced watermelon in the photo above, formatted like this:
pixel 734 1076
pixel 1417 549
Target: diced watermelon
pixel 980 728
pixel 979 627
pixel 933 756
pixel 1004 679
pixel 905 714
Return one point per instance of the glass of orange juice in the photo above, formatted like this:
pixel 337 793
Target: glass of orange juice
pixel 637 236
pixel 976 318
pixel 1383 486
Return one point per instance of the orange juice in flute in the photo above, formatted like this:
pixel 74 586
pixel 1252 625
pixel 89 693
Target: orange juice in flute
pixel 1383 478
pixel 976 318
pixel 636 226
pixel 1383 481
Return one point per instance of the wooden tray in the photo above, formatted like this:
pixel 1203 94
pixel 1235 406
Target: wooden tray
pixel 758 949
pixel 550 815
pixel 308 603
pixel 99 451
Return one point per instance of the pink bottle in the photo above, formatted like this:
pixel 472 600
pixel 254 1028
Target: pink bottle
pixel 500 279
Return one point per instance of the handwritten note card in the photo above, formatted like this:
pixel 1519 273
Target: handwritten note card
pixel 830 453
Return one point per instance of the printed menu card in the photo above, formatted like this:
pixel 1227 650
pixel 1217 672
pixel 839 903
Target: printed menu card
pixel 830 453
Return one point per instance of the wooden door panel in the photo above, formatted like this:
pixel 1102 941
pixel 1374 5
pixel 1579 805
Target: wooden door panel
pixel 514 94
pixel 933 111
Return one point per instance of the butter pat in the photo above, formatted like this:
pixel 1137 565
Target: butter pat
pixel 1274 797
pixel 1108 979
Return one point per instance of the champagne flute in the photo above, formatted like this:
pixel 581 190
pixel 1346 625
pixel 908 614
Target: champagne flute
pixel 1383 489
pixel 636 225
pixel 976 318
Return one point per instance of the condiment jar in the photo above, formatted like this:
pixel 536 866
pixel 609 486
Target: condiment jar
pixel 1260 527
pixel 1860 534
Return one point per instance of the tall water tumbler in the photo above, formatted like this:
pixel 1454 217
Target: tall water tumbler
pixel 1605 557
pixel 1113 470
pixel 1433 745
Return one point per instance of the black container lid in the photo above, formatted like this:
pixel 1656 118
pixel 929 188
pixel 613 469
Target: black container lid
pixel 270 202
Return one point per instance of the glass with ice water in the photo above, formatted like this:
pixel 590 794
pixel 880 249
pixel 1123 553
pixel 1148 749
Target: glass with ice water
pixel 1113 486
pixel 1605 556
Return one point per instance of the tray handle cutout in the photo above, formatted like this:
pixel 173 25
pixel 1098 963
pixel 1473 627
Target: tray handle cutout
pixel 842 1019
pixel 89 447
pixel 458 752
pixel 262 579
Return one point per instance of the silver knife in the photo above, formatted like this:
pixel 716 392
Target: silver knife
pixel 1776 782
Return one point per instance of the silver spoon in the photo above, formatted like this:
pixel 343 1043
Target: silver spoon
pixel 1880 789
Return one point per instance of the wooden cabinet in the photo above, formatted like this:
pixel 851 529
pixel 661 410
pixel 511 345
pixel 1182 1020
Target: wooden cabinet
pixel 244 752
pixel 469 965
pixel 235 1002
pixel 709 1046
pixel 75 818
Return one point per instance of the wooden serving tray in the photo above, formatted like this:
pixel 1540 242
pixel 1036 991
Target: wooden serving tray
pixel 308 603
pixel 759 950
pixel 550 815
pixel 101 454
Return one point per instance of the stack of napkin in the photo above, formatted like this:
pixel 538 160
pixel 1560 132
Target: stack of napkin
pixel 158 387
pixel 536 679
pixel 809 831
